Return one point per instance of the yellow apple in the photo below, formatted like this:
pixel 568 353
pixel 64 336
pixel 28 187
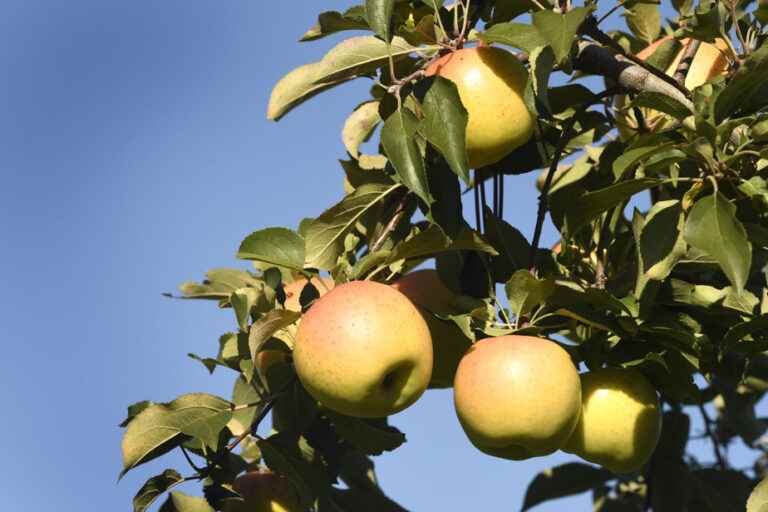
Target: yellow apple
pixel 430 295
pixel 709 61
pixel 293 290
pixel 364 350
pixel 620 420
pixel 517 396
pixel 264 491
pixel 758 500
pixel 491 83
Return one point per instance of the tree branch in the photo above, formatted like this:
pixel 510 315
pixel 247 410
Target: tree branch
pixel 711 435
pixel 598 60
pixel 561 145
pixel 589 28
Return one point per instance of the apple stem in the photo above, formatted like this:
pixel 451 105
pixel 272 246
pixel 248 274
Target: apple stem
pixel 400 210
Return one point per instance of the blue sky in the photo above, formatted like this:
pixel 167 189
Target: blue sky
pixel 135 154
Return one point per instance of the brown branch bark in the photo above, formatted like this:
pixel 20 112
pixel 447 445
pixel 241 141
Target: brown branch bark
pixel 599 60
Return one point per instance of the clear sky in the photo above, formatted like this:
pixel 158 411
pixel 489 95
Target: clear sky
pixel 134 155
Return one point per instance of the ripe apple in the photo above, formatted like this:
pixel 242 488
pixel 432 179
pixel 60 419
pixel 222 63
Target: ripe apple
pixel 517 396
pixel 491 83
pixel 430 295
pixel 364 350
pixel 758 500
pixel 264 491
pixel 293 290
pixel 620 420
pixel 709 61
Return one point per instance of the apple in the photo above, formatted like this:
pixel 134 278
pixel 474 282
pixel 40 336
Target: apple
pixel 758 500
pixel 264 491
pixel 517 396
pixel 709 61
pixel 428 293
pixel 491 84
pixel 293 290
pixel 363 349
pixel 620 420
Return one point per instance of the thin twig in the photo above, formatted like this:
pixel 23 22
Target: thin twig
pixel 392 224
pixel 715 444
pixel 610 11
pixel 685 63
pixel 478 213
pixel 483 202
pixel 561 145
pixel 496 194
pixel 189 459
pixel 739 33
pixel 501 195
pixel 254 425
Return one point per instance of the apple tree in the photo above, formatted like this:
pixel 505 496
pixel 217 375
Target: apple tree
pixel 654 170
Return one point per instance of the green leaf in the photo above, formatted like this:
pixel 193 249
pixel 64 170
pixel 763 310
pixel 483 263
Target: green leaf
pixel 712 227
pixel 243 393
pixel 433 241
pixel 644 20
pixel 580 210
pixel 559 30
pixel 276 246
pixel 242 301
pixel 514 249
pixel 161 427
pixel 633 157
pixel 398 139
pixel 331 22
pixel 266 327
pixel 359 127
pixel 565 480
pixel 134 410
pixel 361 55
pixel 525 292
pixel 180 502
pixel 355 500
pixel 154 488
pixel 282 455
pixel 758 500
pixel 325 235
pixel 298 86
pixel 372 437
pixel 444 125
pixel 746 87
pixel 517 35
pixel 662 103
pixel 219 284
pixel 661 241
pixel 379 16
pixel 741 331
pixel 541 62
pixel 446 210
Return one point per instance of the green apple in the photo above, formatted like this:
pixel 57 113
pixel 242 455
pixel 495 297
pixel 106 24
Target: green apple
pixel 364 350
pixel 491 84
pixel 430 295
pixel 620 420
pixel 517 396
